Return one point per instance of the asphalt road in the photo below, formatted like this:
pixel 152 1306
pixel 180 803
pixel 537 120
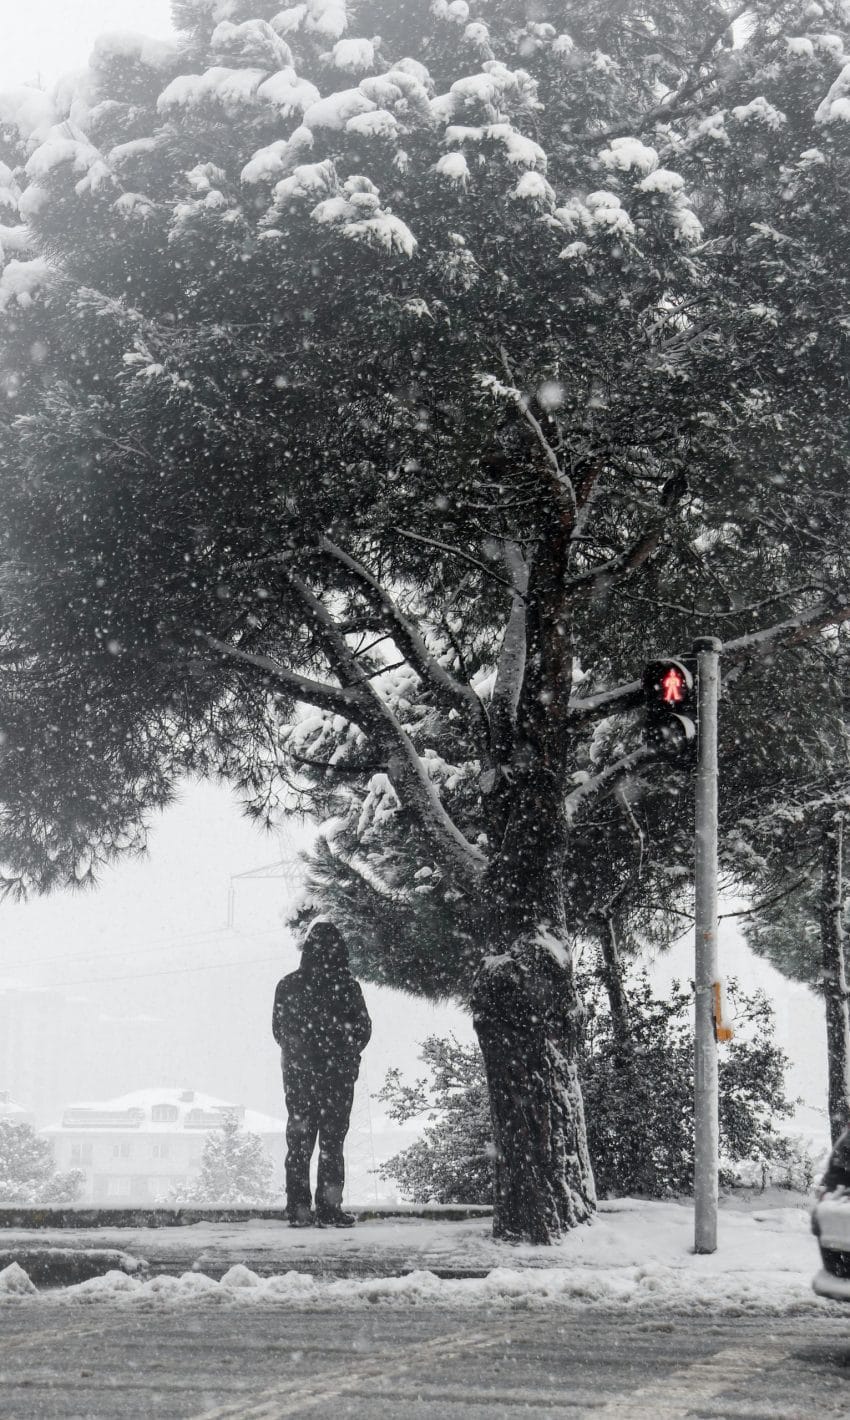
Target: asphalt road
pixel 106 1362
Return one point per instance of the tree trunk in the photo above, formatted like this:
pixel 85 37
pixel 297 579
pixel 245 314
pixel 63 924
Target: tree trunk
pixel 612 980
pixel 527 1017
pixel 526 1029
pixel 834 976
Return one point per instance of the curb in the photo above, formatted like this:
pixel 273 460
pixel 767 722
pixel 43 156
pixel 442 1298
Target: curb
pixel 26 1216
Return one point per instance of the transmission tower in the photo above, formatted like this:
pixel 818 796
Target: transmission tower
pixel 286 868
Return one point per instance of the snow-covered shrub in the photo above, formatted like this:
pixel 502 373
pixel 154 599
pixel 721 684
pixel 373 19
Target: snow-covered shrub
pixel 27 1169
pixel 638 1105
pixel 639 1093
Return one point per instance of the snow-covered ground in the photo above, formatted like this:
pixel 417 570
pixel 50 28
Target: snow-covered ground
pixel 636 1255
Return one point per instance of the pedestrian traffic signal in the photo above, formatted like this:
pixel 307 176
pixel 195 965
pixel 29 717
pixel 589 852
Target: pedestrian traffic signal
pixel 668 688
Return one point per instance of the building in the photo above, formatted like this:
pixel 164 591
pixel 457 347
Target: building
pixel 141 1147
pixel 55 1046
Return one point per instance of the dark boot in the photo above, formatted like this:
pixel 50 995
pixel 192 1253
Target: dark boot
pixel 334 1218
pixel 301 1217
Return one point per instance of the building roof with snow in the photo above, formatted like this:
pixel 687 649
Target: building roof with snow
pixel 12 1111
pixel 166 1110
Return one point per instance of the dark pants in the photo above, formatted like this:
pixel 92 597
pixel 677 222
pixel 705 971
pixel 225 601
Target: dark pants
pixel 317 1106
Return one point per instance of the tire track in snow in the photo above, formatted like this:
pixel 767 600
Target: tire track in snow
pixel 290 1397
pixel 677 1395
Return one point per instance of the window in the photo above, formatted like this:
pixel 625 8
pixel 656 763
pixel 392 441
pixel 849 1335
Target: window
pixel 164 1114
pixel 118 1187
pixel 81 1153
pixel 160 1151
pixel 121 1151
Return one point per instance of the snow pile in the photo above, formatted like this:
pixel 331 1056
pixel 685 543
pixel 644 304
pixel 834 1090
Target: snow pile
pixel 334 111
pixel 327 19
pixel 15 239
pixel 253 43
pixel 269 164
pixel 533 187
pixel 662 180
pixel 836 105
pixel 760 111
pixel 453 167
pixel 20 280
pixel 9 191
pixel 14 1282
pixel 627 153
pixel 353 207
pixel 288 93
pixel 494 93
pixel 636 1255
pixel 353 55
pixel 520 152
pixel 230 89
pixel 607 213
pixel 799 47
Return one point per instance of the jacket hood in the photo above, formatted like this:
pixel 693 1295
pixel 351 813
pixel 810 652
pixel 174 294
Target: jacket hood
pixel 324 948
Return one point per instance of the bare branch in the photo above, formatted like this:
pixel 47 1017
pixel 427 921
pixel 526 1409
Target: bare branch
pixel 453 552
pixel 562 483
pixel 769 901
pixel 695 612
pixel 360 704
pixel 405 768
pixel 511 664
pixel 678 100
pixel 633 557
pixel 338 699
pixel 607 778
pixel 792 632
pixel 450 691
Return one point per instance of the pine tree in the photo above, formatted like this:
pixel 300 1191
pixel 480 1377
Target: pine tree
pixel 453 1160
pixel 235 1169
pixel 28 1172
pixel 422 383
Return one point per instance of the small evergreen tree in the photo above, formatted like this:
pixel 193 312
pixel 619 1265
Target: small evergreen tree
pixel 235 1168
pixel 453 1161
pixel 639 1104
pixel 27 1169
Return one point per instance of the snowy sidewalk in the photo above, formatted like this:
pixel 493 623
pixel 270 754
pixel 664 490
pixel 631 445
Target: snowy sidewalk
pixel 635 1255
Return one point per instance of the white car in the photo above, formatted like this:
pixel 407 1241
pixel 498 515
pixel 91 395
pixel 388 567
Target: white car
pixel 831 1224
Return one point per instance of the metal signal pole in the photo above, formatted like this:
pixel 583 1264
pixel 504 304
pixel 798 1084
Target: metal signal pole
pixel 706 1097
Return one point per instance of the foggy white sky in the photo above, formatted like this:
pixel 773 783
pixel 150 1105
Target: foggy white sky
pixel 151 948
pixel 45 38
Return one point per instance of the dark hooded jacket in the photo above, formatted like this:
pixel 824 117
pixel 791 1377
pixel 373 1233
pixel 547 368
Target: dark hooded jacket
pixel 320 1019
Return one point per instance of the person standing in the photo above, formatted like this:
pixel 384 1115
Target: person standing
pixel 322 1026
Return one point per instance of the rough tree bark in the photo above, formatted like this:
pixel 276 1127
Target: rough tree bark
pixel 527 1017
pixel 526 1010
pixel 834 976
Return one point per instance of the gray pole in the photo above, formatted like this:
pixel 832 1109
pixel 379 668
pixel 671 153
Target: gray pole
pixel 707 650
